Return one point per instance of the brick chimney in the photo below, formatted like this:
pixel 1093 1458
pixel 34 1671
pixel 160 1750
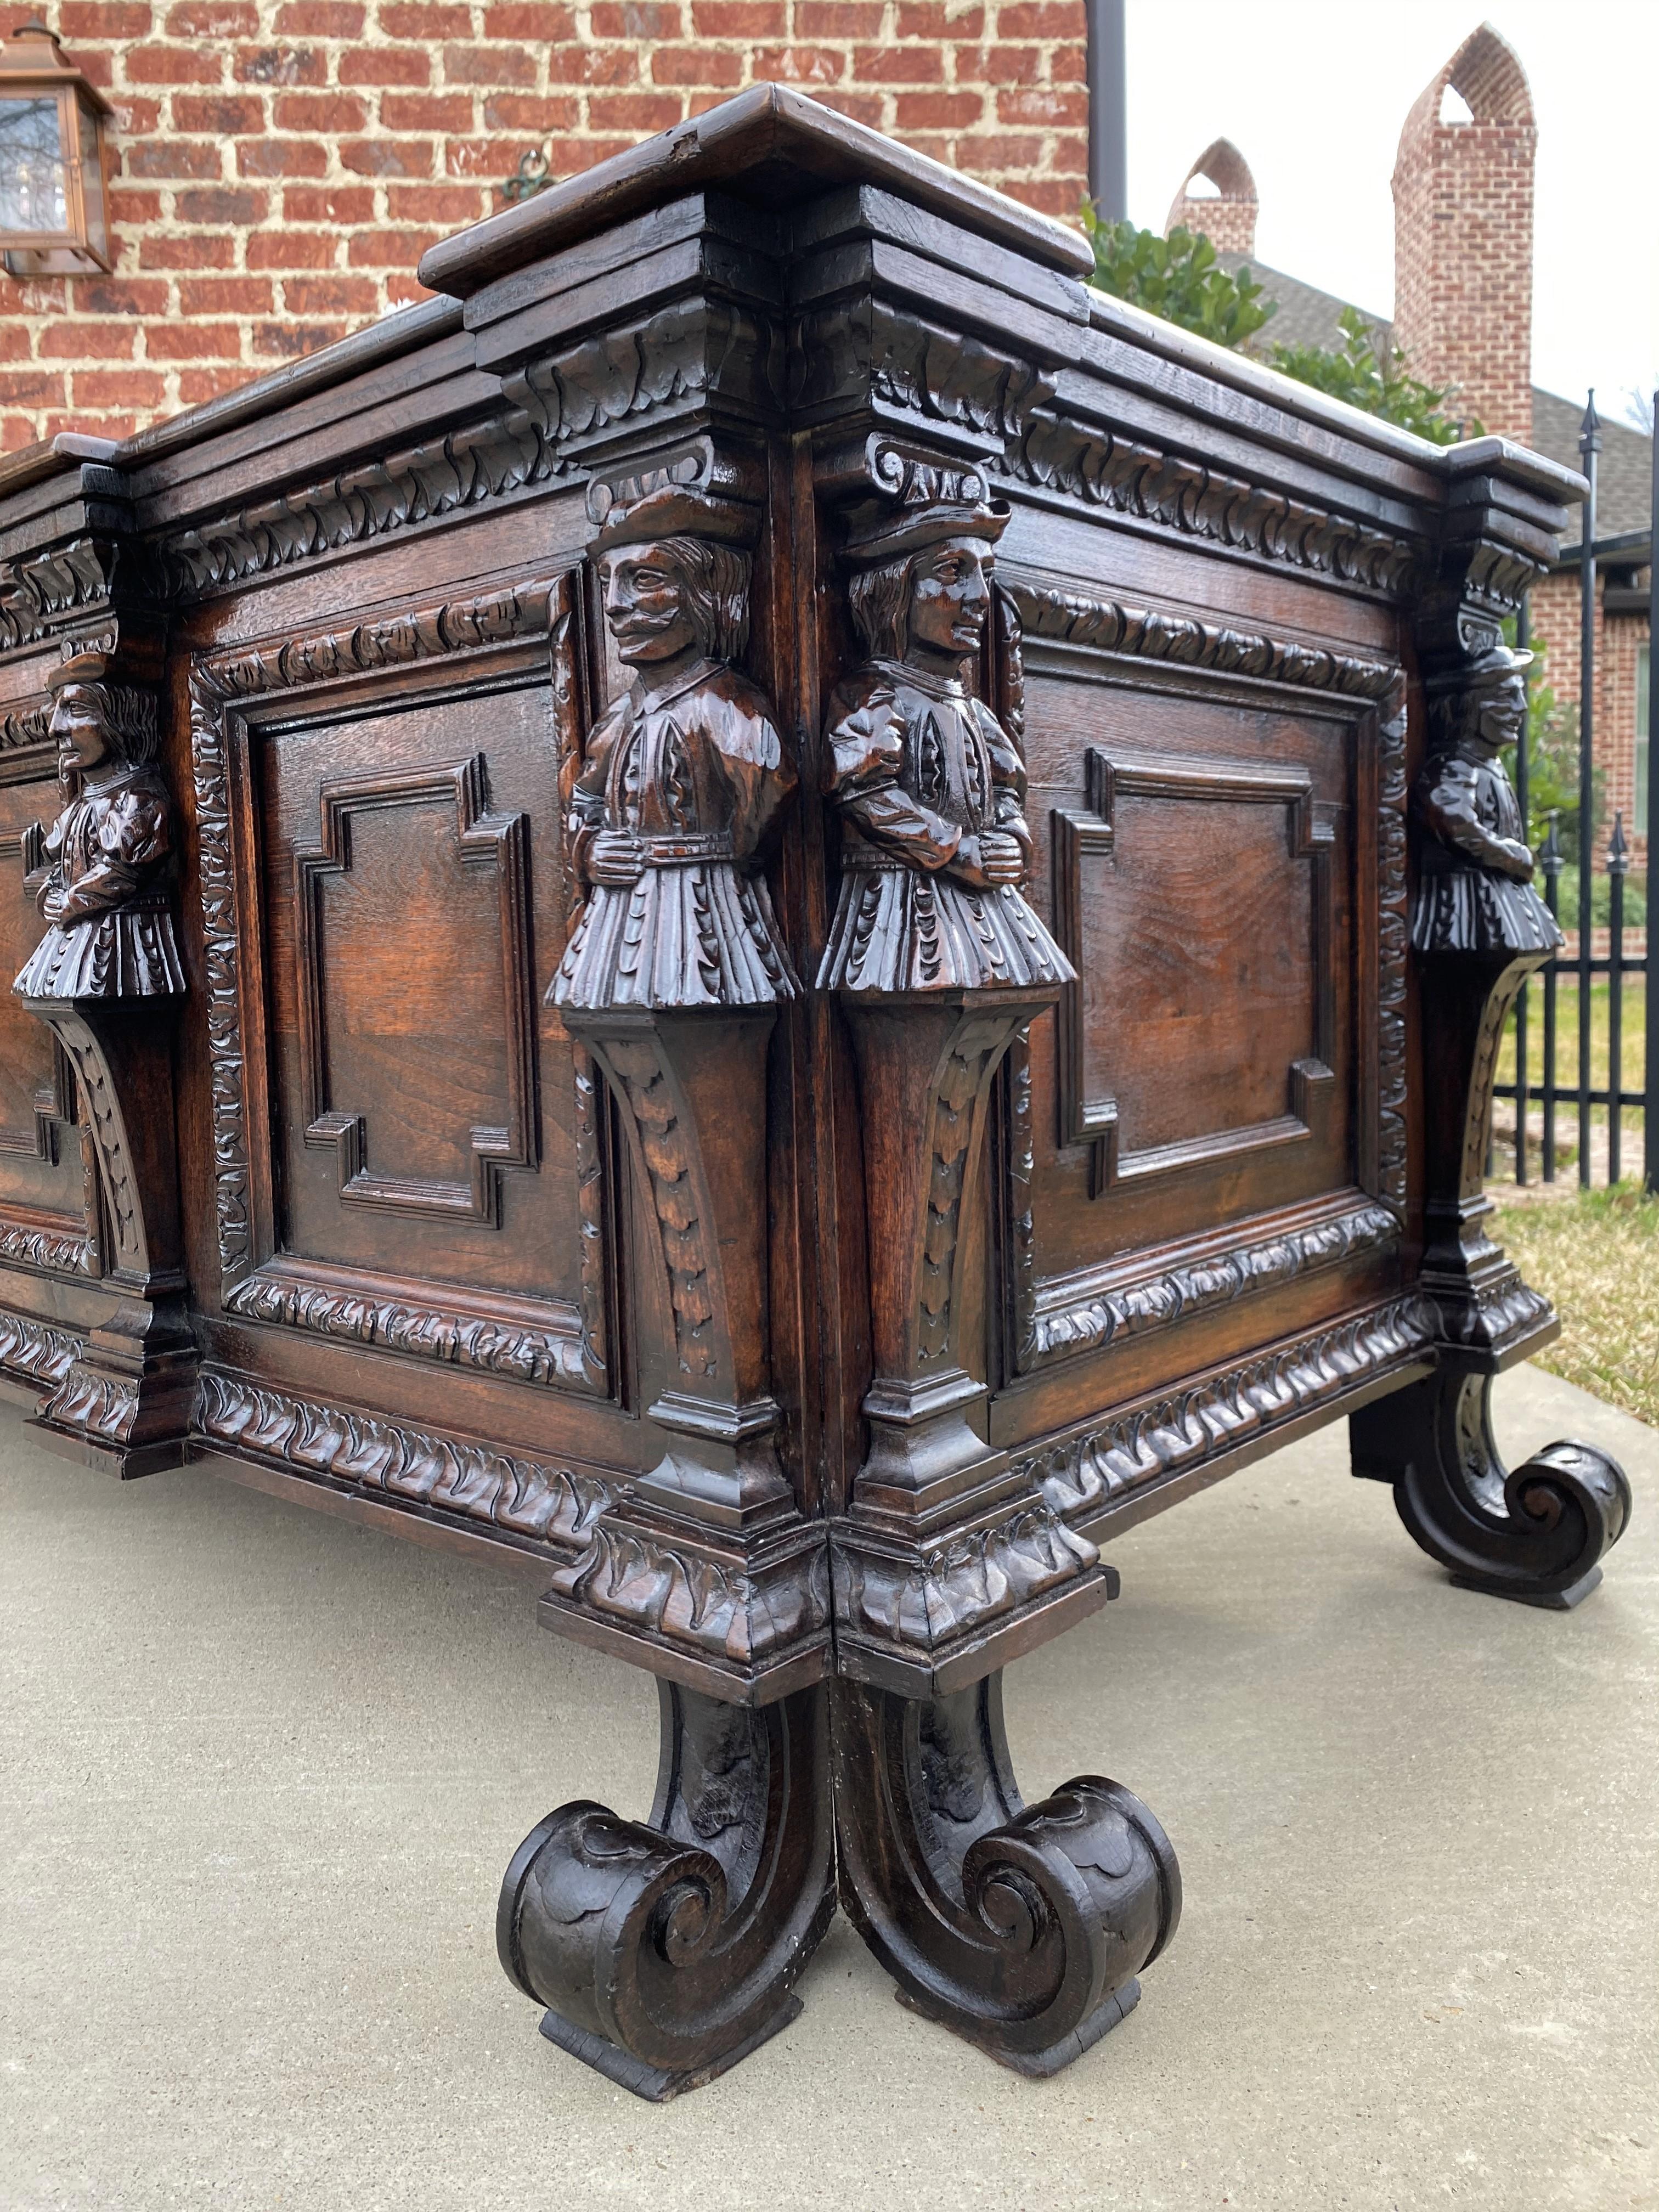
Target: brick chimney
pixel 1225 216
pixel 1463 235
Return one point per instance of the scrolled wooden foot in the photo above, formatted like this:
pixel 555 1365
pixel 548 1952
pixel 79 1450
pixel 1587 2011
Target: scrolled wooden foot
pixel 1537 1534
pixel 667 1950
pixel 1023 1928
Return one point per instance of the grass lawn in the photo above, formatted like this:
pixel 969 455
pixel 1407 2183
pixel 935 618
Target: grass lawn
pixel 1596 1253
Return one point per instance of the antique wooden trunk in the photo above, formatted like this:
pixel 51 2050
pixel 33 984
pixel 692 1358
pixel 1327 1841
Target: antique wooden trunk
pixel 777 916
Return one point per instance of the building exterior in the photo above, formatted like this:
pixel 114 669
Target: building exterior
pixel 280 166
pixel 1463 207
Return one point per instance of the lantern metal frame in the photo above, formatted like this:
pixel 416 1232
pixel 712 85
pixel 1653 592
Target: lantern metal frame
pixel 33 66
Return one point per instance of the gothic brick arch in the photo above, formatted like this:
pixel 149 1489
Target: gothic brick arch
pixel 1464 203
pixel 1227 215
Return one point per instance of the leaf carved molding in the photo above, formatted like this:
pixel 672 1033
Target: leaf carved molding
pixel 1100 1466
pixel 556 1504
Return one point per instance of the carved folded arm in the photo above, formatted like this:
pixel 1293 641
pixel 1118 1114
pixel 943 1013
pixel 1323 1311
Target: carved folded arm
pixel 585 797
pixel 759 779
pixel 1007 782
pixel 1448 804
pixel 132 843
pixel 867 754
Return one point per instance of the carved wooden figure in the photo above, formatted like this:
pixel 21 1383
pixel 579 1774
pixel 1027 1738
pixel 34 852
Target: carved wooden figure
pixel 772 915
pixel 108 954
pixel 1480 929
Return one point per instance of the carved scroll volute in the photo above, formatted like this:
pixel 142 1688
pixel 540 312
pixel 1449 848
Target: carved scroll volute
pixel 106 977
pixel 671 979
pixel 938 961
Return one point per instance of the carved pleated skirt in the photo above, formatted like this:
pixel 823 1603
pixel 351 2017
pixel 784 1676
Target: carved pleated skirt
pixel 698 934
pixel 897 929
pixel 128 955
pixel 1472 910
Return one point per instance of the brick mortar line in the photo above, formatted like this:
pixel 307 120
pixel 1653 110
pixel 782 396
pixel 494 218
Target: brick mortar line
pixel 248 308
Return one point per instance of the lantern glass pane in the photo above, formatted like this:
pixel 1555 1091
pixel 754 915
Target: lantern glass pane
pixel 32 198
pixel 92 179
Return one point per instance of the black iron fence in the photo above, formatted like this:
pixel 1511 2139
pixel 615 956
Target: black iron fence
pixel 1599 997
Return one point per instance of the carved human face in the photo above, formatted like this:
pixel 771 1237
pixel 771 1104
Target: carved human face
pixel 1503 713
pixel 950 597
pixel 78 726
pixel 645 605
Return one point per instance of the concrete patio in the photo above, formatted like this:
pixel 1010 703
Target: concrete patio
pixel 260 1773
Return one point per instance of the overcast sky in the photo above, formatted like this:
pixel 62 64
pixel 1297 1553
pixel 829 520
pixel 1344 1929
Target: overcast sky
pixel 1314 94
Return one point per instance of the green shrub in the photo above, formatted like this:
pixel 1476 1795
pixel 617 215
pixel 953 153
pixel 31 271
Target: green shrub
pixel 1369 373
pixel 1177 277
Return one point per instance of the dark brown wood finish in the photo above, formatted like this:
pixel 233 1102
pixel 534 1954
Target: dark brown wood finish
pixel 773 916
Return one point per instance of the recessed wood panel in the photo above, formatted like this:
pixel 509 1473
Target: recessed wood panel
pixel 40 1167
pixel 1201 844
pixel 398 1011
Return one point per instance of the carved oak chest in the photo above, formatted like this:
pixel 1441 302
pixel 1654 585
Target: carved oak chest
pixel 777 917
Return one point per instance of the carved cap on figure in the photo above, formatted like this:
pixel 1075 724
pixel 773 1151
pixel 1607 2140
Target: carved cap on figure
pixel 1488 669
pixel 670 511
pixel 934 505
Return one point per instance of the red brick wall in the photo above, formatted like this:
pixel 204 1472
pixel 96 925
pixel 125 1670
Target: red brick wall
pixel 1555 623
pixel 1463 211
pixel 282 164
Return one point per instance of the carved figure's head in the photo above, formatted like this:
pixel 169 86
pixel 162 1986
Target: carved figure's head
pixel 95 723
pixel 671 596
pixel 677 575
pixel 1484 704
pixel 920 587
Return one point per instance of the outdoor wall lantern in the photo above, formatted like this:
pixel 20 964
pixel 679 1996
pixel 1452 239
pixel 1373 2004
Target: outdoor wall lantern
pixel 54 217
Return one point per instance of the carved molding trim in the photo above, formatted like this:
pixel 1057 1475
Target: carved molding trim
pixel 1503 1311
pixel 1092 1469
pixel 1497 578
pixel 1072 1314
pixel 1100 467
pixel 390 642
pixel 55 1251
pixel 954 1120
pixel 22 728
pixel 35 1353
pixel 420 483
pixel 223 960
pixel 666 366
pixel 40 591
pixel 1153 633
pixel 670 1153
pixel 1387 1181
pixel 574 1358
pixel 898 365
pixel 919 1601
pixel 556 1504
pixel 95 1403
pixel 430 1328
pixel 734 1611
